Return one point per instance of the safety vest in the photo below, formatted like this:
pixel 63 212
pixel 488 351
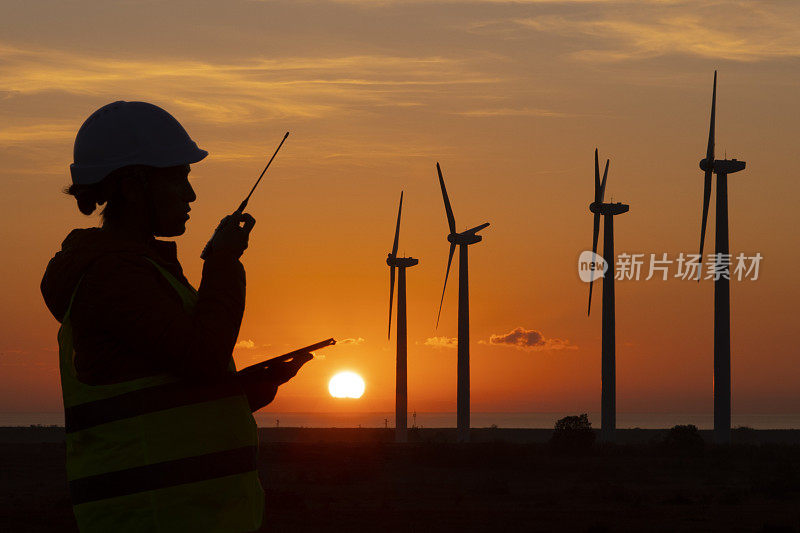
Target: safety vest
pixel 159 453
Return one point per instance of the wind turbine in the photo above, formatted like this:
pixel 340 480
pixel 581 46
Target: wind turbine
pixel 722 296
pixel 608 393
pixel 401 263
pixel 463 240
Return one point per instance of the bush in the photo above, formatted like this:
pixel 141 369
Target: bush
pixel 685 440
pixel 744 435
pixel 573 434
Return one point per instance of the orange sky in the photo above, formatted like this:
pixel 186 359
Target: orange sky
pixel 511 98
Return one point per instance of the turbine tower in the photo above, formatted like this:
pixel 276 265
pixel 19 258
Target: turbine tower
pixel 463 240
pixel 722 296
pixel 401 263
pixel 608 398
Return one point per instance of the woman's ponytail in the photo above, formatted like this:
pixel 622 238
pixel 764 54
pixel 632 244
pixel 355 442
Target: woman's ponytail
pixel 87 196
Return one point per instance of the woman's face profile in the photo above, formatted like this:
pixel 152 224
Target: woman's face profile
pixel 170 193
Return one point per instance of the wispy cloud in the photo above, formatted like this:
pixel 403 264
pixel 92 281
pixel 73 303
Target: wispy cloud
pixel 530 339
pixel 748 32
pixel 37 132
pixel 359 340
pixel 381 3
pixel 441 342
pixel 513 112
pixel 251 90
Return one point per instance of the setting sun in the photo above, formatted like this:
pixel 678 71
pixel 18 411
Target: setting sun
pixel 346 385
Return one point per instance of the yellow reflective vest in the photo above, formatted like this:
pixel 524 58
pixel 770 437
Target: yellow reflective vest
pixel 159 453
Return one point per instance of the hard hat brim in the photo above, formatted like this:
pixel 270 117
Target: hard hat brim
pixel 90 174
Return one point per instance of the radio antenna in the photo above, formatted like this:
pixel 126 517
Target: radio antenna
pixel 240 210
pixel 242 206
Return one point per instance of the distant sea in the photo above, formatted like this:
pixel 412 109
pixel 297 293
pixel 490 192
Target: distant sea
pixel 478 420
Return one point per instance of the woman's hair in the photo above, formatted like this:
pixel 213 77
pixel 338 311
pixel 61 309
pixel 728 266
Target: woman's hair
pixel 107 192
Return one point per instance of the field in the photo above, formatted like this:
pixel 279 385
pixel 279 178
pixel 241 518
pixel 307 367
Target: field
pixel 354 480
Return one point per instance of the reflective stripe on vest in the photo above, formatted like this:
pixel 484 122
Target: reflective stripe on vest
pixel 159 453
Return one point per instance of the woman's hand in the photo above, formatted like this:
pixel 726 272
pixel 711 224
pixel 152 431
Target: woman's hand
pixel 280 372
pixel 261 386
pixel 232 234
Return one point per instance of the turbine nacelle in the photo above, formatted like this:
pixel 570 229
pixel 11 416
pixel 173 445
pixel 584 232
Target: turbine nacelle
pixel 465 238
pixel 602 208
pixel 403 262
pixel 723 166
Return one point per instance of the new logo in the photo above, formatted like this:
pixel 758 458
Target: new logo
pixel 591 266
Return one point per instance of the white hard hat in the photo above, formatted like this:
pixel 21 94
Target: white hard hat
pixel 130 133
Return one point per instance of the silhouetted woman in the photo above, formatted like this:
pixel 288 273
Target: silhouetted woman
pixel 160 435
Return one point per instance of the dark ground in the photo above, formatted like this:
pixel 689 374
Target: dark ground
pixel 369 485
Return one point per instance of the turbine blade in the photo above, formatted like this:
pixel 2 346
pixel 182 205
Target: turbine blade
pixel 446 274
pixel 595 234
pixel 706 201
pixel 391 297
pixel 711 127
pixel 709 168
pixel 476 229
pixel 596 178
pixel 451 220
pixel 603 183
pixel 397 229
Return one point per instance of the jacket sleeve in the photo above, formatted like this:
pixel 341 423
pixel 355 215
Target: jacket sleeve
pixel 126 304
